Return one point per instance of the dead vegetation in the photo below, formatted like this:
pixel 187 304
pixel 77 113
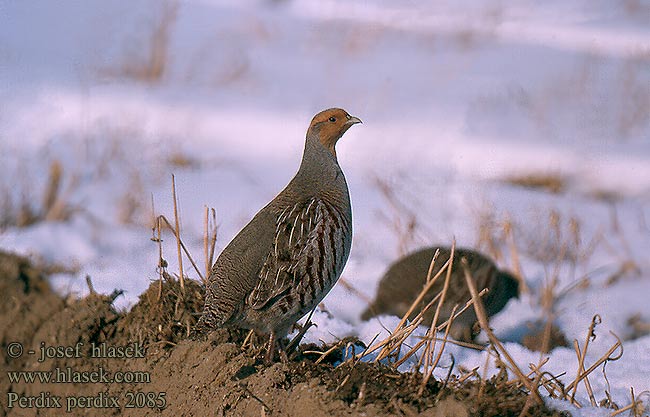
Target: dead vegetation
pixel 394 351
pixel 208 374
pixel 400 216
pixel 165 317
pixel 554 183
pixel 639 327
pixel 558 243
pixel 56 206
pixel 147 58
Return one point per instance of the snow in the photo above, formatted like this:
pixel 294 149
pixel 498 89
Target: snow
pixel 455 96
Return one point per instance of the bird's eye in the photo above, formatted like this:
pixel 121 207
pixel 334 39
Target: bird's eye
pixel 332 119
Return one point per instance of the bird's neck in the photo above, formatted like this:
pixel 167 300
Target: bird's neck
pixel 318 156
pixel 319 169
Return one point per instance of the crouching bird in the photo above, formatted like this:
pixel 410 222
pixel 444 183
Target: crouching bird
pixel 406 277
pixel 289 256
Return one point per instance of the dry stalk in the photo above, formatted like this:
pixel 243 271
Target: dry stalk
pixel 426 288
pixel 636 406
pixel 483 321
pixel 605 358
pixel 54 206
pixel 443 296
pixel 205 241
pixel 162 263
pixel 468 374
pixel 89 283
pixel 483 377
pixel 389 343
pixel 536 382
pixel 301 333
pixel 394 343
pixel 51 194
pixel 550 382
pixel 591 335
pixel 427 375
pixel 443 326
pixel 431 341
pixel 182 246
pixel 402 219
pixel 486 235
pixel 247 340
pixel 354 290
pixel 467 345
pixel 514 257
pixel 156 231
pixel 177 233
pixel 401 334
pixel 152 65
pixel 209 239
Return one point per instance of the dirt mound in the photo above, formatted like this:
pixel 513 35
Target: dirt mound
pixel 150 362
pixel 164 315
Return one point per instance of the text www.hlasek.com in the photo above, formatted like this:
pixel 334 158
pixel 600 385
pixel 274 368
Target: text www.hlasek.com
pixel 69 375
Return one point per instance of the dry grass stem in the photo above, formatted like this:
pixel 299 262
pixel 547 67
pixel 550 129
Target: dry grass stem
pixel 440 351
pixel 445 288
pixel 55 204
pixel 636 407
pixel 581 359
pixel 483 321
pixel 182 246
pixel 431 341
pixel 402 331
pixel 150 62
pixel 205 241
pixel 441 327
pixel 209 239
pixel 402 219
pixel 354 290
pixel 177 233
pixel 162 263
pixel 514 257
pixel 607 357
pixel 427 287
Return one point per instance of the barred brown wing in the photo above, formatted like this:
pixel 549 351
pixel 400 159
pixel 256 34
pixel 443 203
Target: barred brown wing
pixel 307 253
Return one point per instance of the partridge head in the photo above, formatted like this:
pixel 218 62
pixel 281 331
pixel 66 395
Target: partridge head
pixel 329 125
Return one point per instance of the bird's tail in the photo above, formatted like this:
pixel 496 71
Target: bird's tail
pixel 210 318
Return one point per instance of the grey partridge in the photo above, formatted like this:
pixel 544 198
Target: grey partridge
pixel 405 279
pixel 289 256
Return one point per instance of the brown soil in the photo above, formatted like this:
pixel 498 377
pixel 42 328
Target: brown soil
pixel 200 375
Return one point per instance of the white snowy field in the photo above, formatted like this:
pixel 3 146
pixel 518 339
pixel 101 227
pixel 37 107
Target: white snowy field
pixel 460 100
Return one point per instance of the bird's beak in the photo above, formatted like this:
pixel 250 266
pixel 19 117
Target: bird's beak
pixel 353 121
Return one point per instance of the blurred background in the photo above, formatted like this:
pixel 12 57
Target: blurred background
pixel 518 128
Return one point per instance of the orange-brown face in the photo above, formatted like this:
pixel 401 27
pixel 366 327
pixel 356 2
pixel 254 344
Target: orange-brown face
pixel 330 125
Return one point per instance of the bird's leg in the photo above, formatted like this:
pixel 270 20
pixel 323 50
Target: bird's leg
pixel 282 351
pixel 270 352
